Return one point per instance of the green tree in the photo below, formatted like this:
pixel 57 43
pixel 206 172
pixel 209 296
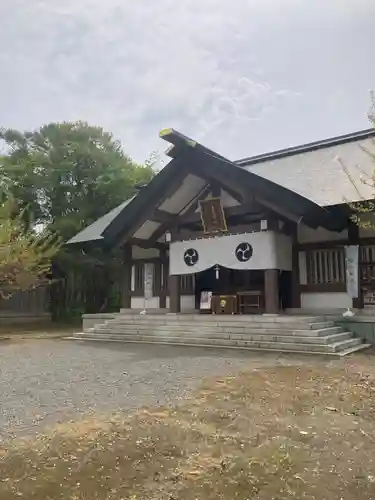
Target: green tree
pixel 68 174
pixel 65 176
pixel 25 255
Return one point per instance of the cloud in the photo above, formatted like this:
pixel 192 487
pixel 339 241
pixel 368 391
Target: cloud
pixel 244 77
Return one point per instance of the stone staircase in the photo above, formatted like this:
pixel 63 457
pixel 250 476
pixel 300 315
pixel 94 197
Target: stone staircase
pixel 281 333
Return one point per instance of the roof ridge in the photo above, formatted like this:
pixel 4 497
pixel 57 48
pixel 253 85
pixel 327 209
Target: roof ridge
pixel 311 146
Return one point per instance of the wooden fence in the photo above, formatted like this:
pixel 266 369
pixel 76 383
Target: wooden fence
pixel 69 297
pixel 33 302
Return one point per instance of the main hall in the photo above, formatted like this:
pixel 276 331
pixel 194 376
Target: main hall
pixel 256 236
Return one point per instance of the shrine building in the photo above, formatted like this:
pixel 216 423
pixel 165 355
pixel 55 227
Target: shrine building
pixel 263 234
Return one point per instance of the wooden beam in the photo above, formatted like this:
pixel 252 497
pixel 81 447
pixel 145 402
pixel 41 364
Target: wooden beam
pixel 244 193
pixel 171 221
pixel 163 280
pixel 323 288
pixel 354 239
pixel 163 217
pixel 174 286
pixel 126 291
pixel 322 245
pixel 195 203
pixel 184 234
pixel 296 289
pixel 215 189
pixel 157 234
pixel 233 193
pixel 175 180
pixel 245 209
pixel 138 242
pixel 191 216
pixel 271 291
pixel 232 187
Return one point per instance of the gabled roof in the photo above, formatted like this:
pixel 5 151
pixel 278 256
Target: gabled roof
pixel 329 172
pixel 189 160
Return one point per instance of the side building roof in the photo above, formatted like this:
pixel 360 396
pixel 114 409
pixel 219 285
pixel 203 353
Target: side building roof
pixel 329 172
pixel 95 231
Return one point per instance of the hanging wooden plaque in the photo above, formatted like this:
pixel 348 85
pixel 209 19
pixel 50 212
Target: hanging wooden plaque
pixel 212 215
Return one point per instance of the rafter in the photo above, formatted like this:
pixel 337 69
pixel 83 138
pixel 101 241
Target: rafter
pixel 157 234
pixel 194 204
pixel 163 217
pixel 139 242
pixel 174 181
pixel 246 208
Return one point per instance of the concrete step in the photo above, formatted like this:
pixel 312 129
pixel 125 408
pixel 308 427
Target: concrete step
pixel 247 318
pixel 215 332
pixel 236 328
pixel 351 350
pixel 198 341
pixel 165 335
pixel 207 328
pixel 221 324
pixel 345 344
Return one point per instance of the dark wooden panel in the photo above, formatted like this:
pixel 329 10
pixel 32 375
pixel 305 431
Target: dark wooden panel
pixel 323 288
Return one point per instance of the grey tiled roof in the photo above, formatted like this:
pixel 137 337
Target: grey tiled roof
pixel 96 229
pixel 329 175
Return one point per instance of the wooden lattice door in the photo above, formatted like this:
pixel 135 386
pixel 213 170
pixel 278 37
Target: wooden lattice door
pixel 367 274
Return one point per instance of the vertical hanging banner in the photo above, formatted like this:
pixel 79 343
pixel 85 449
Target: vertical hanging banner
pixel 352 278
pixel 148 280
pixel 212 215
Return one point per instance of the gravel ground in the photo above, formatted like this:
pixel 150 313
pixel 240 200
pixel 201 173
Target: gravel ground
pixel 44 382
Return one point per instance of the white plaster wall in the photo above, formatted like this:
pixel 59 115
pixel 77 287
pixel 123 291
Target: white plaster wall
pixel 139 303
pixel 187 302
pixel 308 235
pixel 145 253
pixel 284 248
pixel 325 300
pixel 302 268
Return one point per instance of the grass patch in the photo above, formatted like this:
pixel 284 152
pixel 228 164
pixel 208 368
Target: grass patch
pixel 280 433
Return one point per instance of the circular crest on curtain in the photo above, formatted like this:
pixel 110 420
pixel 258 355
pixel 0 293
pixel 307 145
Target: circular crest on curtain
pixel 191 257
pixel 244 252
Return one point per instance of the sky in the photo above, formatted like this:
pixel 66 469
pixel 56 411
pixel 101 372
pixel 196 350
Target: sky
pixel 242 77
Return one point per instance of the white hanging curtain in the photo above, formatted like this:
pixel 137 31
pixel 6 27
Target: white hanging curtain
pixel 263 250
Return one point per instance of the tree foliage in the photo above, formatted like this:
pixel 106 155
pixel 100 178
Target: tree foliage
pixel 363 210
pixel 63 177
pixel 25 256
pixel 67 175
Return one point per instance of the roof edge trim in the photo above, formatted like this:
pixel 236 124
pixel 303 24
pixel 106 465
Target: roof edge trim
pixel 305 148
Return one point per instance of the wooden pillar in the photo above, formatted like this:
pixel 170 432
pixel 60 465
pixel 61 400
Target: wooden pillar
pixel 271 291
pixel 174 293
pixel 163 279
pixel 353 239
pixel 296 287
pixel 126 296
pixel 215 189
